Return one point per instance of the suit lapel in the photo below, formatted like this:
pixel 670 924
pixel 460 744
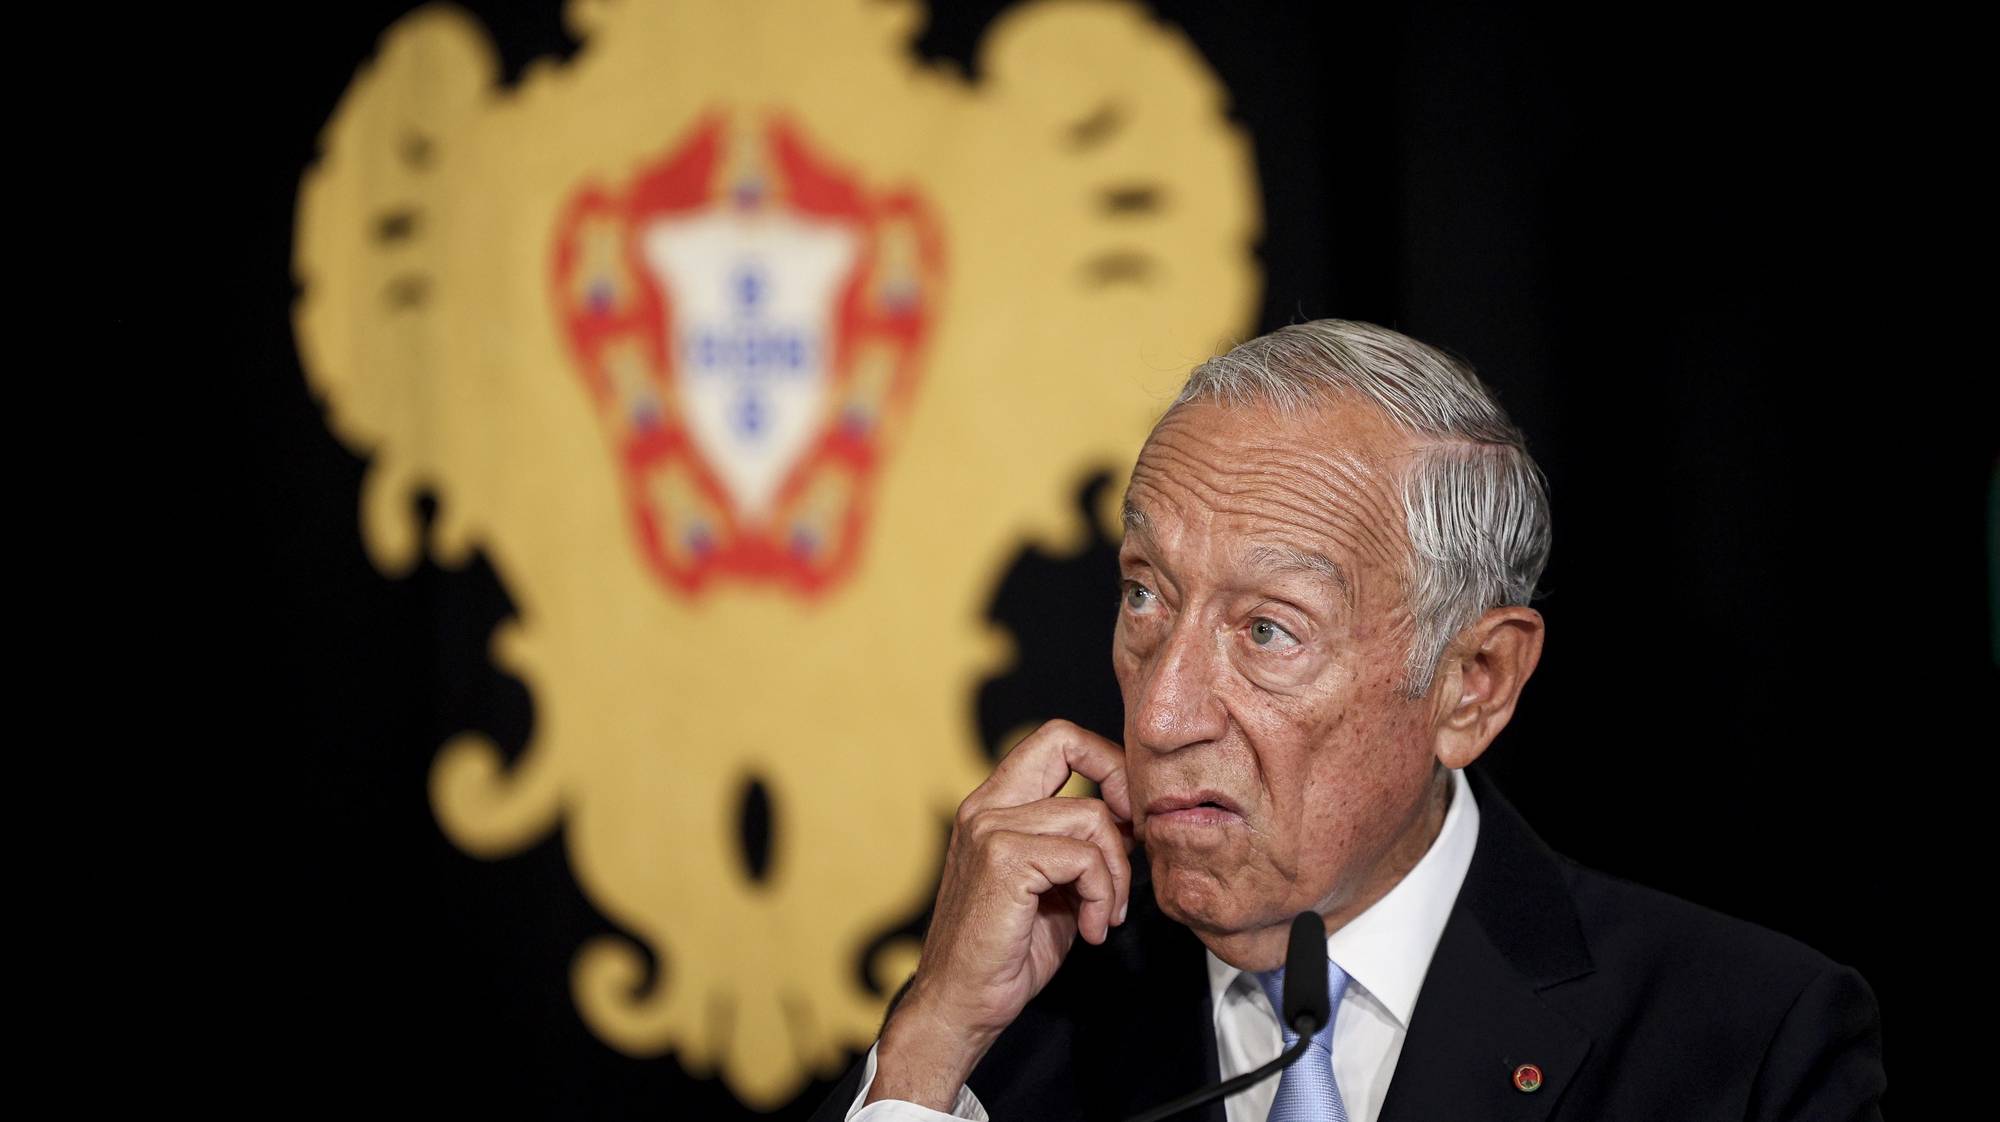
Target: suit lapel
pixel 1158 1035
pixel 1176 1060
pixel 1512 934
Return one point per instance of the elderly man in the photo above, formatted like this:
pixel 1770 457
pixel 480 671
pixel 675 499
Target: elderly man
pixel 1332 538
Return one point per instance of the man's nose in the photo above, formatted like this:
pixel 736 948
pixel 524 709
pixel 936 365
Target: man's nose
pixel 1179 703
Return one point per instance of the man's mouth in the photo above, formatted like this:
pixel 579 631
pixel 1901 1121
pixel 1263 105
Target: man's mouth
pixel 1198 808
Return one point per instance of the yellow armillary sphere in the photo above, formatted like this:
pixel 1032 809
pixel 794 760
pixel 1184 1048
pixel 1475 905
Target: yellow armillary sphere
pixel 748 348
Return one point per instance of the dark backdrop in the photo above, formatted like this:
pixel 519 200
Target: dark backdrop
pixel 1673 239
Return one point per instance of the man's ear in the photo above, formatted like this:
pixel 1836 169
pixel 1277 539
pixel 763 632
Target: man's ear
pixel 1480 679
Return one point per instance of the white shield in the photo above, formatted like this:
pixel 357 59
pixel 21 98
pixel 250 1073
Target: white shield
pixel 753 296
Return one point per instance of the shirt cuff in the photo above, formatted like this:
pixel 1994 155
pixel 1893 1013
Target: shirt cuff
pixel 896 1110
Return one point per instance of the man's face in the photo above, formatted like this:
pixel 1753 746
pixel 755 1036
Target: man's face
pixel 1260 642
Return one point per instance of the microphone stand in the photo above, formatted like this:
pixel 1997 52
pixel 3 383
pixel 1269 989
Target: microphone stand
pixel 1229 1086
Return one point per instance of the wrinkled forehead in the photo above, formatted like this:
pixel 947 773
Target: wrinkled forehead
pixel 1247 478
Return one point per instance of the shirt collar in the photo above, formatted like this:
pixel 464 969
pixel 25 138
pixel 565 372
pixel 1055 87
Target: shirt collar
pixel 1387 949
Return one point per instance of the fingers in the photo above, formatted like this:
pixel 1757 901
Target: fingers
pixel 1039 766
pixel 1085 820
pixel 1041 863
pixel 1026 872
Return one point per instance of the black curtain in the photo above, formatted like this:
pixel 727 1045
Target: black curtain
pixel 1680 241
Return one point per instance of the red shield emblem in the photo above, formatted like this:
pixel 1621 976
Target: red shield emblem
pixel 749 319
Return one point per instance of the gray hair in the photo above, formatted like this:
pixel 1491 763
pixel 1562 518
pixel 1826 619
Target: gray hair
pixel 1474 503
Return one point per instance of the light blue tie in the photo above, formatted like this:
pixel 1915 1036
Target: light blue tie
pixel 1306 1092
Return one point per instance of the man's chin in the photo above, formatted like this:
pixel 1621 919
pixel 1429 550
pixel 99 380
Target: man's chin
pixel 1220 912
pixel 1196 898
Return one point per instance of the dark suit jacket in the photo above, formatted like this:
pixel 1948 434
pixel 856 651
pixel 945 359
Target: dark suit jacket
pixel 1634 1004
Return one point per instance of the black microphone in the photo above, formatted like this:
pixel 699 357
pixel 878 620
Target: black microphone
pixel 1306 1009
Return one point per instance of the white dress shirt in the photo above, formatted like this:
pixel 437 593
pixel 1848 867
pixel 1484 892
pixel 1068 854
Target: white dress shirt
pixel 1385 951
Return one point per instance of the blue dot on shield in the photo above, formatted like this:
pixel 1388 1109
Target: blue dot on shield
pixel 750 414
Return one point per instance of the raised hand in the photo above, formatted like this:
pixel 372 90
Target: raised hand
pixel 1025 873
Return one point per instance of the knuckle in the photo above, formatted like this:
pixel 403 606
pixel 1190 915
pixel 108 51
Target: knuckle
pixel 968 809
pixel 1101 816
pixel 1096 877
pixel 1099 822
pixel 1047 735
pixel 977 824
pixel 999 848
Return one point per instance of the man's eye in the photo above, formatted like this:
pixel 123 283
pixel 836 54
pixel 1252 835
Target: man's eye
pixel 1270 636
pixel 1137 595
